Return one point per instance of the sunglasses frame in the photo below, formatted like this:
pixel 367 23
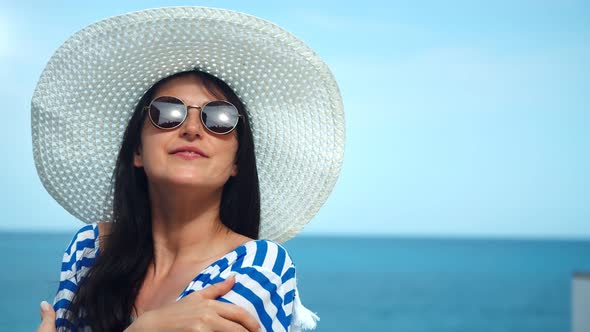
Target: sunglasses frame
pixel 187 107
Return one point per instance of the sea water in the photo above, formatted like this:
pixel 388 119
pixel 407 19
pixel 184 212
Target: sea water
pixel 368 284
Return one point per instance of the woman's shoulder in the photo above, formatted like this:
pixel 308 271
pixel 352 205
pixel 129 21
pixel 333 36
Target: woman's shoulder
pixel 81 251
pixel 85 237
pixel 90 235
pixel 264 254
pixel 78 257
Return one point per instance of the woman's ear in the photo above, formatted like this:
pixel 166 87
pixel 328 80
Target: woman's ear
pixel 234 170
pixel 137 158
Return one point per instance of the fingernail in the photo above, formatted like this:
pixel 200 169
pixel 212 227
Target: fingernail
pixel 45 306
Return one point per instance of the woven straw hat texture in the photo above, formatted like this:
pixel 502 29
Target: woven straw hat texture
pixel 90 86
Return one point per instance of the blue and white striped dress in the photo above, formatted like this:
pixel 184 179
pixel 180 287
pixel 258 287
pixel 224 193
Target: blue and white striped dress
pixel 265 281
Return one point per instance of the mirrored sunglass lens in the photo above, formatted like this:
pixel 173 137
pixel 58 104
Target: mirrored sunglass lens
pixel 167 112
pixel 219 116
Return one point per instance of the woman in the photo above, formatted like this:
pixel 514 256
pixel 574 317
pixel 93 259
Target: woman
pixel 186 210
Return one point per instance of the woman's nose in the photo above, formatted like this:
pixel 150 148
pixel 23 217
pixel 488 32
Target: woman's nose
pixel 192 126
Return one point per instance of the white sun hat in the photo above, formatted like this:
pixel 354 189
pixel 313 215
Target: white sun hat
pixel 91 85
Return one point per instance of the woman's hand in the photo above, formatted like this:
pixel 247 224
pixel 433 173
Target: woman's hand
pixel 199 311
pixel 47 318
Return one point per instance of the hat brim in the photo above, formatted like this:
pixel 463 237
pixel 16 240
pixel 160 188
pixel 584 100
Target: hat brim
pixel 91 85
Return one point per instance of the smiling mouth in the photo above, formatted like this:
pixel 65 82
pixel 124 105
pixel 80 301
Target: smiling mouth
pixel 188 154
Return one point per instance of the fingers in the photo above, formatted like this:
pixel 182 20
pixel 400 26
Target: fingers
pixel 219 289
pixel 227 325
pixel 234 317
pixel 213 321
pixel 236 314
pixel 47 318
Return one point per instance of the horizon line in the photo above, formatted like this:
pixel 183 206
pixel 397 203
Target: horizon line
pixel 365 235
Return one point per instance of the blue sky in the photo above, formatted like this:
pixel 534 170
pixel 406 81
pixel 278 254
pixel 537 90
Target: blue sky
pixel 463 118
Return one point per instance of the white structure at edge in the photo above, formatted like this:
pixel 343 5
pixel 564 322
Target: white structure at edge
pixel 581 302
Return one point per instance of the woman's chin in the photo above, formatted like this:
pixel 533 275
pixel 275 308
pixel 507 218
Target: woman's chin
pixel 189 181
pixel 183 177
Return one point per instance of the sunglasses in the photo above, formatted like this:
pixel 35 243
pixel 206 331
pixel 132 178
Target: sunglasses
pixel 218 116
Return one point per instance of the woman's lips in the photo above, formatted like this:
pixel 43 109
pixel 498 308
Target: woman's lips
pixel 189 152
pixel 189 155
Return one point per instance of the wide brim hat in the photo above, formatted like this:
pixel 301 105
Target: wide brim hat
pixel 91 85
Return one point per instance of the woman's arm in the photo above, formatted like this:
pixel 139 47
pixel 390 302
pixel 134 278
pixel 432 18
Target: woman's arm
pixel 199 311
pixel 265 284
pixel 77 257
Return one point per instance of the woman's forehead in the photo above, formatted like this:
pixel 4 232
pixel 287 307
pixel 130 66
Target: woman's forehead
pixel 190 86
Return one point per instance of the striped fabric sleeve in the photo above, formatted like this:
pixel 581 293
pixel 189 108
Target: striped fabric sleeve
pixel 78 257
pixel 265 284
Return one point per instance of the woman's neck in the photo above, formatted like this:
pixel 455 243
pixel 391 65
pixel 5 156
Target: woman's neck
pixel 186 227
